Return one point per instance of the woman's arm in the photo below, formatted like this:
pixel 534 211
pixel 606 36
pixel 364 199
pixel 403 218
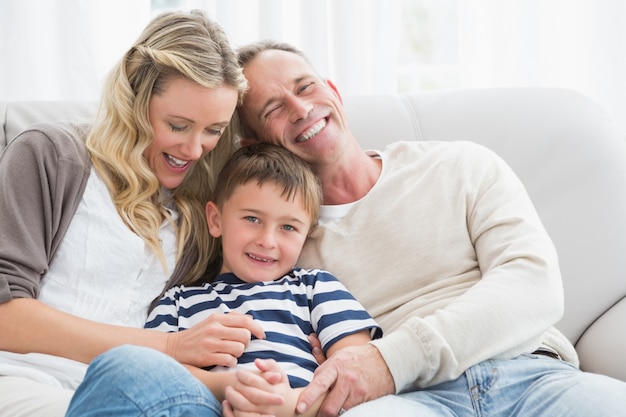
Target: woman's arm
pixel 27 325
pixel 42 177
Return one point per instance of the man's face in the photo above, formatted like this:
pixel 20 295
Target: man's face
pixel 289 105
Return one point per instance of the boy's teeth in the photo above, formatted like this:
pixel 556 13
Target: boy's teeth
pixel 317 128
pixel 259 259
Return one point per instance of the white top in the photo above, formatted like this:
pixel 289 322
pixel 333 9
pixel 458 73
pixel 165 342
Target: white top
pixel 102 271
pixel 449 256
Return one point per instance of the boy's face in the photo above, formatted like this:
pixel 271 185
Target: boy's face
pixel 262 232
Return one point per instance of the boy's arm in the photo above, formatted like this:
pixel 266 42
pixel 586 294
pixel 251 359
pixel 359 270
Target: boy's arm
pixel 354 339
pixel 282 404
pixel 254 391
pixel 216 382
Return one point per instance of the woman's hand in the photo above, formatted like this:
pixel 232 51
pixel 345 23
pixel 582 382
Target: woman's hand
pixel 218 340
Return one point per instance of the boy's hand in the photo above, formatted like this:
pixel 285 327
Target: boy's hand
pixel 316 348
pixel 262 393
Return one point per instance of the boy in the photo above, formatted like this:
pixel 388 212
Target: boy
pixel 266 203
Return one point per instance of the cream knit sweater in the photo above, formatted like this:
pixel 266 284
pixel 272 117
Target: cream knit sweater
pixel 449 256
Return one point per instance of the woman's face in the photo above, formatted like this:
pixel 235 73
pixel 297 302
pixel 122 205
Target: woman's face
pixel 188 120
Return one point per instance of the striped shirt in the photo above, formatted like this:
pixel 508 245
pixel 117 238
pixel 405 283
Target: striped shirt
pixel 302 302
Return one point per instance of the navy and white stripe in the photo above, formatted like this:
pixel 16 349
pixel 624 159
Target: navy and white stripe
pixel 289 309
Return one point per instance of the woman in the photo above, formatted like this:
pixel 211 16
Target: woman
pixel 92 228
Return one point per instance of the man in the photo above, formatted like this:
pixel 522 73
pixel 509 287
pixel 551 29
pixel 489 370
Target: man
pixel 442 245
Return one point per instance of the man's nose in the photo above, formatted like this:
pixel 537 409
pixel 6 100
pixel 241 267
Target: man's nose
pixel 299 108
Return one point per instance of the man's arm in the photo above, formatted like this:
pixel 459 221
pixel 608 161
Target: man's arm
pixel 352 383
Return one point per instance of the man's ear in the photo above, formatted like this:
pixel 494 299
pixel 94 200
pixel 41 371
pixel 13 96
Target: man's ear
pixel 334 88
pixel 213 219
pixel 248 141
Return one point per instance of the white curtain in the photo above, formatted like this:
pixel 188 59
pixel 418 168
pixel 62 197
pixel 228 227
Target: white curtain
pixel 62 49
pixel 576 44
pixel 353 42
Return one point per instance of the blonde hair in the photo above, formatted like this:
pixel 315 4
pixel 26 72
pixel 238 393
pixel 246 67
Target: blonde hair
pixel 174 44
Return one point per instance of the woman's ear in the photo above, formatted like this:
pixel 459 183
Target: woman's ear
pixel 213 219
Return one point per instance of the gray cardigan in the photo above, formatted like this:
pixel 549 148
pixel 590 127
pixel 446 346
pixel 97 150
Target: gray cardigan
pixel 43 174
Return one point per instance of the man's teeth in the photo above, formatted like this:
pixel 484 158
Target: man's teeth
pixel 175 162
pixel 317 128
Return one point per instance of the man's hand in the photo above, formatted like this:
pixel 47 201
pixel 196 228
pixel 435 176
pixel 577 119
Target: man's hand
pixel 351 376
pixel 218 340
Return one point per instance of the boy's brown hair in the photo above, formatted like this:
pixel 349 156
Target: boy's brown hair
pixel 263 162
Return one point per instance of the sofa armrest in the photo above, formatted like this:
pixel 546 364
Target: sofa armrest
pixel 602 347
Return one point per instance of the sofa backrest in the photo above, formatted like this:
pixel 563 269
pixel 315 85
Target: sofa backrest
pixel 564 149
pixel 17 115
pixel 561 144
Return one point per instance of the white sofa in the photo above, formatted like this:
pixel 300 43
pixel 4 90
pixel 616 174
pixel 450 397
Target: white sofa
pixel 561 145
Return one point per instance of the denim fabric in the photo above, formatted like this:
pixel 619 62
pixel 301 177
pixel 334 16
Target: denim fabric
pixel 527 386
pixel 131 381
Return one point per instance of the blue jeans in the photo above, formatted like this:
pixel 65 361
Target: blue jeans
pixel 526 386
pixel 135 381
